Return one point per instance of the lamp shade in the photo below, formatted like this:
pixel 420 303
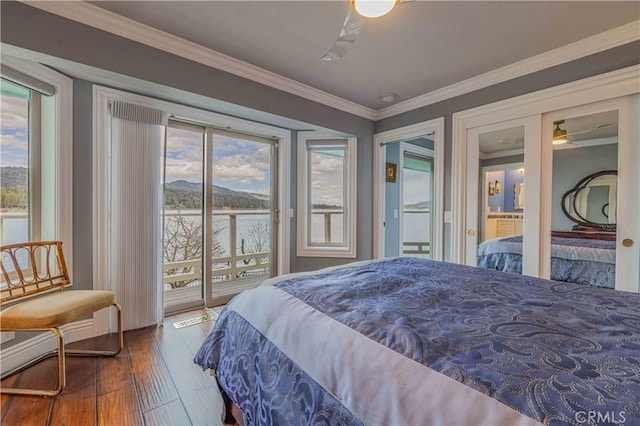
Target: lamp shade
pixel 373 8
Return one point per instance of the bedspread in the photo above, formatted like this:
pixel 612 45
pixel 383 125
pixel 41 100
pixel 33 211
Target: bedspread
pixel 410 341
pixel 580 261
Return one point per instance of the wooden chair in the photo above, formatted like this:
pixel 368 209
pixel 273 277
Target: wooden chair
pixel 29 269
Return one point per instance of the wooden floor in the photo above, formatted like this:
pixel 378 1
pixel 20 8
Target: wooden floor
pixel 153 381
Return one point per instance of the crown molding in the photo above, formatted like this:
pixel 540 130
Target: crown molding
pixel 104 20
pixel 579 49
pixel 93 16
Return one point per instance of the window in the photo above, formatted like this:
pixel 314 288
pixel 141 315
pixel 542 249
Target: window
pixel 326 195
pixel 35 165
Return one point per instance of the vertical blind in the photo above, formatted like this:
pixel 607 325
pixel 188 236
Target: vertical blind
pixel 135 267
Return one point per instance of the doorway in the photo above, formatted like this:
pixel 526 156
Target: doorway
pixel 408 191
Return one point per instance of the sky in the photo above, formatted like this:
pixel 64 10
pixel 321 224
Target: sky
pixel 13 131
pixel 244 165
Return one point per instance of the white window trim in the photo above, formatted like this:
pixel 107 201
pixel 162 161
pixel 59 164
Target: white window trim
pixel 101 98
pixel 303 247
pixel 63 134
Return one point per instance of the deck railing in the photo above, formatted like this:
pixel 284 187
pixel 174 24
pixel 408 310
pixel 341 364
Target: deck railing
pixel 232 266
pixel 416 247
pixel 7 216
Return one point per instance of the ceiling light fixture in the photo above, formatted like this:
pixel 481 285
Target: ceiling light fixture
pixel 559 135
pixel 373 8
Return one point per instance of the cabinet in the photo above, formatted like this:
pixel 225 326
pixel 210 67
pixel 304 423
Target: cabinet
pixel 502 225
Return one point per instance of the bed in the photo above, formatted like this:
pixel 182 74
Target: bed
pixel 575 258
pixel 409 341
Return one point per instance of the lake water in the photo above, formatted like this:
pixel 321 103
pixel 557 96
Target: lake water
pixel 15 227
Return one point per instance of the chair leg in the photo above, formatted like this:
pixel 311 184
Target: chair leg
pixel 92 352
pixel 61 369
pixel 61 352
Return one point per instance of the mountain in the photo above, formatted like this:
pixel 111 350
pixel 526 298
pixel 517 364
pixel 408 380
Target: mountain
pixel 422 205
pixel 14 176
pixel 181 194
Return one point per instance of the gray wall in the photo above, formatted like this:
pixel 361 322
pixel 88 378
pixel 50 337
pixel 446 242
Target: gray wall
pixel 610 60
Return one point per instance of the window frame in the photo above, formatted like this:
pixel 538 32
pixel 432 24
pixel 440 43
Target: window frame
pixel 305 247
pixel 55 137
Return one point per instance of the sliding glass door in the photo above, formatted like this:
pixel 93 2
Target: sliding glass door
pixel 218 238
pixel 241 205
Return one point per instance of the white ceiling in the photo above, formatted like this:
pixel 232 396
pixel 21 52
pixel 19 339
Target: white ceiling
pixel 421 46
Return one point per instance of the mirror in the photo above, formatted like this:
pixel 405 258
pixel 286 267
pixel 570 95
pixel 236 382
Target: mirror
pixel 518 196
pixel 592 202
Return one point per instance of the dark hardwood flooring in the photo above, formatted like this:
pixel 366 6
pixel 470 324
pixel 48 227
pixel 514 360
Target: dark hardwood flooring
pixel 153 381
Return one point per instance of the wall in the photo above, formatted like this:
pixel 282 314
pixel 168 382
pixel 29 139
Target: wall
pixel 495 201
pixel 511 177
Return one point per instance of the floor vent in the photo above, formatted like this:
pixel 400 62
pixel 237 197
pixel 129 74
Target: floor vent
pixel 209 315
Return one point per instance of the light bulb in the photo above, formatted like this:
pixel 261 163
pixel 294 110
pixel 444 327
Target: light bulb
pixel 373 8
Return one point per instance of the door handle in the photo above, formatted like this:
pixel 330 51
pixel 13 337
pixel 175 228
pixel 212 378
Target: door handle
pixel 471 232
pixel 627 242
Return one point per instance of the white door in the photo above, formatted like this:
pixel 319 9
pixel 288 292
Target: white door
pixel 501 143
pixel 602 137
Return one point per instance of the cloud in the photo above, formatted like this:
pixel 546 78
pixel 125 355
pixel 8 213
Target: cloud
pixel 14 112
pixel 14 150
pixel 236 162
pixel 179 168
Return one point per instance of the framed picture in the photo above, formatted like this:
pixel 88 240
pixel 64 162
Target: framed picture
pixel 498 189
pixel 492 189
pixel 391 172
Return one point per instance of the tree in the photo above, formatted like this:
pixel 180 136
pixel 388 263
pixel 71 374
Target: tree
pixel 183 241
pixel 256 240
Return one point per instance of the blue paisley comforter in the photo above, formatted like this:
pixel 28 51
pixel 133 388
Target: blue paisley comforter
pixel 408 341
pixel 580 261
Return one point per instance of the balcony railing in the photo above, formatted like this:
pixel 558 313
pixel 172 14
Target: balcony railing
pixel 416 247
pixel 327 213
pixel 232 266
pixel 5 217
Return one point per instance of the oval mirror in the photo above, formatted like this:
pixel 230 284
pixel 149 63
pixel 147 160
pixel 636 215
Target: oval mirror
pixel 592 202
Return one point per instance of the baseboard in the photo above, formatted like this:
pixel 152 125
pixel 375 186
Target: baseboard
pixel 20 353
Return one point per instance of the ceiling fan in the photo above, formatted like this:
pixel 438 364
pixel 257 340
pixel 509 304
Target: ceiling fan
pixel 561 137
pixel 359 11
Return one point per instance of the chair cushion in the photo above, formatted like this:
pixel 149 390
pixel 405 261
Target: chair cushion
pixel 55 309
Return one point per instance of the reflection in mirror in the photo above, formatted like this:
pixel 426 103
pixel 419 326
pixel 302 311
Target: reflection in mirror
pixel 584 200
pixel 501 217
pixel 518 196
pixel 594 201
